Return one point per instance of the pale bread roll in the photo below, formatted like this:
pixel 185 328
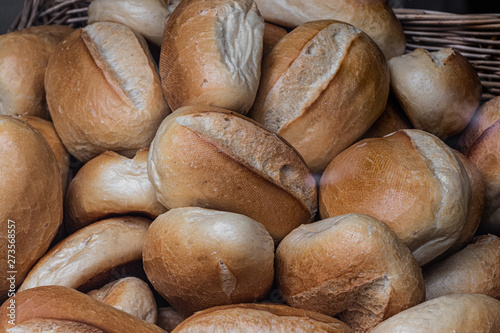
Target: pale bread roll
pixel 352 266
pixel 410 180
pixel 104 92
pixel 322 86
pixel 211 54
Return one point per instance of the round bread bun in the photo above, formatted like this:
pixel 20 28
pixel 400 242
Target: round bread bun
pixel 211 54
pixel 111 185
pixel 198 258
pixel 375 18
pixel 254 318
pixel 62 309
pixel 352 266
pixel 169 318
pixel 89 256
pixel 473 270
pixel 272 35
pixel 485 154
pixel 323 85
pixel 450 313
pixel 47 130
pixel 410 180
pixel 147 17
pixel 129 294
pixel 31 203
pixel 104 92
pixel 24 56
pixel 439 91
pixel 213 158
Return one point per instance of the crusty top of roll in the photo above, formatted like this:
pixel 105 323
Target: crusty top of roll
pixel 450 313
pixel 374 17
pixel 261 318
pixel 69 308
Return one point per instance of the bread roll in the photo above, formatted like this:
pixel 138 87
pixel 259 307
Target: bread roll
pixel 214 158
pixel 47 130
pixel 169 318
pixel 87 257
pixel 30 200
pixel 211 54
pixel 253 318
pixel 323 85
pixel 62 309
pixel 147 17
pixel 272 35
pixel 410 180
pixel 104 92
pixel 352 266
pixel 198 258
pixel 111 185
pixel 439 91
pixel 473 270
pixel 375 18
pixel 24 56
pixel 129 294
pixel 451 313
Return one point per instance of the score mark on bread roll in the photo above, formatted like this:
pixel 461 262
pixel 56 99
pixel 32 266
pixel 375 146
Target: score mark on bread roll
pixel 213 158
pixel 211 54
pixel 322 86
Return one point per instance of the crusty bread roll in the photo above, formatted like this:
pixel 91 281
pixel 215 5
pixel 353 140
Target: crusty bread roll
pixel 392 119
pixel 439 91
pixel 47 130
pixel 410 180
pixel 473 270
pixel 211 54
pixel 104 92
pixel 169 318
pixel 272 35
pixel 485 154
pixel 23 58
pixel 198 258
pixel 451 313
pixel 323 85
pixel 30 200
pixel 352 266
pixel 147 17
pixel 62 309
pixel 256 318
pixel 375 18
pixel 111 185
pixel 129 294
pixel 86 258
pixel 214 158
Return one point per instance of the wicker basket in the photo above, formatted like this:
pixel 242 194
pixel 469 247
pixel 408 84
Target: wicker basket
pixel 475 36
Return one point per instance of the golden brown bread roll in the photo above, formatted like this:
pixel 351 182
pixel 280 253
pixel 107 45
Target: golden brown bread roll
pixel 169 318
pixel 47 130
pixel 147 17
pixel 59 308
pixel 410 180
pixel 24 56
pixel 211 54
pixel 87 257
pixel 272 35
pixel 450 313
pixel 198 258
pixel 322 86
pixel 253 318
pixel 439 91
pixel 30 200
pixel 473 270
pixel 213 158
pixel 352 266
pixel 129 294
pixel 104 92
pixel 111 185
pixel 375 18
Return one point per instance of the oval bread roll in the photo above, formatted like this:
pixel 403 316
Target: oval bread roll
pixel 352 266
pixel 272 35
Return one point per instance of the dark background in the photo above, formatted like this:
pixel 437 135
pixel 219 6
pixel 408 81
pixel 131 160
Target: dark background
pixel 10 8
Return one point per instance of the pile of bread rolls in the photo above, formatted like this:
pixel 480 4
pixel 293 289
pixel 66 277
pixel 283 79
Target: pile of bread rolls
pixel 245 166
